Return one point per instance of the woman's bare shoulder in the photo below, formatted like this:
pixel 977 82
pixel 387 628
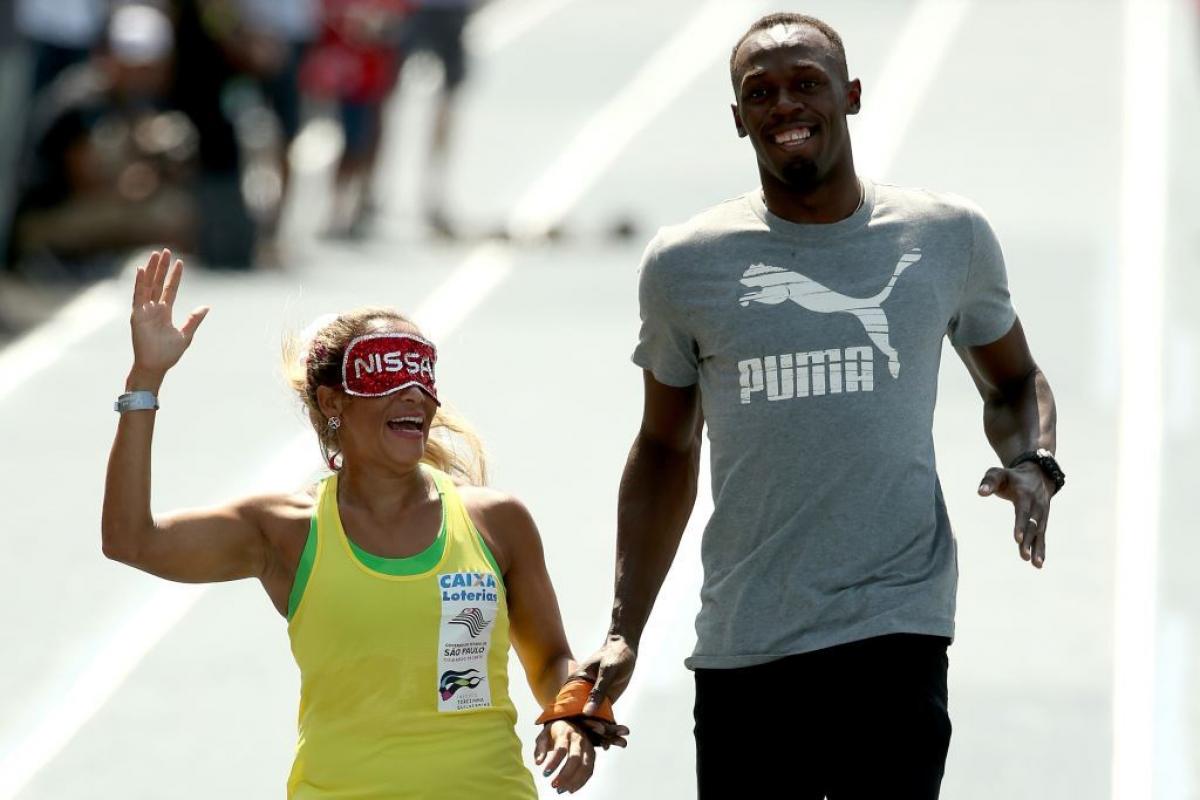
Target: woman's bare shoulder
pixel 484 497
pixel 282 512
pixel 503 520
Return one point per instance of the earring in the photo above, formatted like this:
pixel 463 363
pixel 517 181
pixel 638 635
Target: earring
pixel 333 423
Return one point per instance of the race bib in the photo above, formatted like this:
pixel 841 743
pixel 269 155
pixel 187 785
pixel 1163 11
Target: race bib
pixel 469 605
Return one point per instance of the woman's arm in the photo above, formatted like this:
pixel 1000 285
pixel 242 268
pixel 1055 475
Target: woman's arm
pixel 535 624
pixel 535 627
pixel 196 546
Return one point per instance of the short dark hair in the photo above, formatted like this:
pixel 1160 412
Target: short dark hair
pixel 785 18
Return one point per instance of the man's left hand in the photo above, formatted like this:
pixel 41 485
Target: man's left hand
pixel 1029 490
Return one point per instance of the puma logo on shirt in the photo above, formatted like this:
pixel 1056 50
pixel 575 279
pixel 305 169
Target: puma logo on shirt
pixel 791 375
pixel 773 285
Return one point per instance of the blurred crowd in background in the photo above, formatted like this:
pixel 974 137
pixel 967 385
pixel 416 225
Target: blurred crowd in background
pixel 126 124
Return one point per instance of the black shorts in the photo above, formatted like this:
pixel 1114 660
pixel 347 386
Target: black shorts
pixel 438 31
pixel 859 721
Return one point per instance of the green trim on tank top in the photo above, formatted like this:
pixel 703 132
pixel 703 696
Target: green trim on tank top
pixel 303 569
pixel 415 564
pixel 422 562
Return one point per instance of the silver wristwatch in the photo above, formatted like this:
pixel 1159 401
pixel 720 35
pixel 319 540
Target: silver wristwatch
pixel 136 401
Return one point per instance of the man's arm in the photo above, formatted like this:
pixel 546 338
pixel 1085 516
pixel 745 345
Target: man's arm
pixel 657 493
pixel 1018 417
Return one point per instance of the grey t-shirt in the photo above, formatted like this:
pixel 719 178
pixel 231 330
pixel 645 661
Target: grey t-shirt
pixel 816 348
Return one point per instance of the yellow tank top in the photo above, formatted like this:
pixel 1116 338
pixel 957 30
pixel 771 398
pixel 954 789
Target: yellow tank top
pixel 403 667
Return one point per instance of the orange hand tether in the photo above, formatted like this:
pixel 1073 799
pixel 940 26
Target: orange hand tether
pixel 572 697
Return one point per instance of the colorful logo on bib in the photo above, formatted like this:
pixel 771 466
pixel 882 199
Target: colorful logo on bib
pixel 452 681
pixel 473 620
pixel 470 604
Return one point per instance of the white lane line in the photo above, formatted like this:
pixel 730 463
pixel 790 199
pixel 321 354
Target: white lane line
pixel 1142 248
pixel 484 269
pixel 599 142
pixel 458 296
pixel 1176 748
pixel 910 68
pixel 41 347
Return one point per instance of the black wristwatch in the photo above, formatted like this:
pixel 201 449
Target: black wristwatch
pixel 1045 460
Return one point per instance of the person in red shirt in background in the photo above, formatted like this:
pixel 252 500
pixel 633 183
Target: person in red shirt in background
pixel 355 64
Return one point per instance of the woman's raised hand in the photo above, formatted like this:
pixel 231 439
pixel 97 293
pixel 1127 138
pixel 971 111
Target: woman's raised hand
pixel 157 343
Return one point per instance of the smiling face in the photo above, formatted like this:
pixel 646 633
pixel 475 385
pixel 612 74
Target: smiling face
pixel 793 96
pixel 388 432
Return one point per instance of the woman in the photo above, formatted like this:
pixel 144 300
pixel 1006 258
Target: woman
pixel 401 588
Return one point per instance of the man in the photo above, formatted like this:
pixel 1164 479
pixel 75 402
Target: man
pixel 803 324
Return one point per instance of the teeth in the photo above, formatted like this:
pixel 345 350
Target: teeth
pixel 793 135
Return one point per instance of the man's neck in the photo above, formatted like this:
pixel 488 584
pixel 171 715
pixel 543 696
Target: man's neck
pixel 834 199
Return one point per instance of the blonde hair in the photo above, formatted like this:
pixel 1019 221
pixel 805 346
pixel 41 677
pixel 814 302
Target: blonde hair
pixel 314 359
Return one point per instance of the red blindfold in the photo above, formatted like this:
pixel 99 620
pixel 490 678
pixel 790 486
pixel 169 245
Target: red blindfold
pixel 380 364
